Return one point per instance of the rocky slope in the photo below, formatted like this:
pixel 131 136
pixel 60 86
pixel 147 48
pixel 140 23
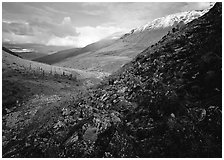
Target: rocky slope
pixel 164 103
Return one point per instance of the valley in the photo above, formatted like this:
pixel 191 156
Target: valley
pixel 153 92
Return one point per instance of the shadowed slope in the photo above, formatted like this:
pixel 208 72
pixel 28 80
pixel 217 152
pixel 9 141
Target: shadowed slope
pixel 63 55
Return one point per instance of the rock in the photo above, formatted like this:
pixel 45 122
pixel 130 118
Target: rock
pixel 72 139
pixel 65 111
pixel 172 115
pixel 90 134
pixel 59 124
pixel 202 115
pixel 122 90
pixel 115 118
pixel 171 123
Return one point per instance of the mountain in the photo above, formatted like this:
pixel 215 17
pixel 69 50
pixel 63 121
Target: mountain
pixel 155 30
pixel 58 56
pixel 65 54
pixel 166 102
pixel 171 20
pixel 110 58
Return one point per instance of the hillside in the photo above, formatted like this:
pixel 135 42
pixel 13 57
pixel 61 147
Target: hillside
pixel 65 54
pixel 10 52
pixel 164 103
pixel 32 51
pixel 22 77
pixel 10 61
pixel 112 57
pixel 34 93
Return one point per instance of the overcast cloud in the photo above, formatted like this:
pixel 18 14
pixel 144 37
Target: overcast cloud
pixel 79 24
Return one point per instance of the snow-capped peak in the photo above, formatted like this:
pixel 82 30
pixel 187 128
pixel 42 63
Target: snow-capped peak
pixel 172 20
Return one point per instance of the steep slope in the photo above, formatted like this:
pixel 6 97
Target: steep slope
pixel 65 54
pixel 165 103
pixel 151 32
pixel 112 57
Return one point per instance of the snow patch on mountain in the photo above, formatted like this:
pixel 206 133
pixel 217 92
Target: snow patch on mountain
pixel 171 20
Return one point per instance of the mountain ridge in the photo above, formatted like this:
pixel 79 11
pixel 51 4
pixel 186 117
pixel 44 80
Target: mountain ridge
pixel 171 19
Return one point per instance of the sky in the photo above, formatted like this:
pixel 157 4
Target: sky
pixel 79 24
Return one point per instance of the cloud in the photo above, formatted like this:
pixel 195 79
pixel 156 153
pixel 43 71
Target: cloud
pixel 37 29
pixel 196 6
pixel 80 24
pixel 66 28
pixel 18 28
pixel 92 34
pixel 11 37
pixel 56 11
pixel 86 36
pixel 63 34
pixel 93 12
pixel 132 15
pixel 66 20
pixel 65 41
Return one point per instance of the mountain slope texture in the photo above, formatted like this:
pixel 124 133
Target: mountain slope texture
pixel 112 57
pixel 65 54
pixel 164 103
pixel 139 35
